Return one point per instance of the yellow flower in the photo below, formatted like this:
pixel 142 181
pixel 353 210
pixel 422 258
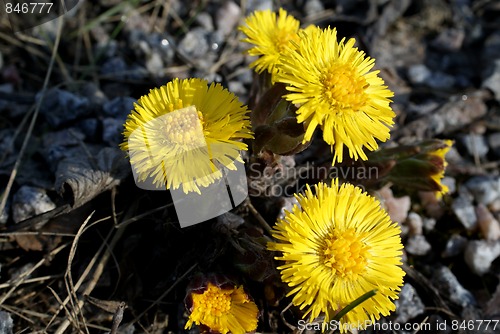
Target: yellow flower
pixel 337 245
pixel 333 84
pixel 223 310
pixel 441 162
pixel 181 133
pixel 271 36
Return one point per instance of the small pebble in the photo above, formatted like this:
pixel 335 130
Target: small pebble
pixel 419 74
pixel 415 223
pixel 254 5
pixel 484 189
pixel 55 144
pixel 88 127
pixel 450 182
pixel 440 80
pixel 455 245
pixel 194 45
pixel 429 224
pixel 434 207
pixel 30 201
pixel 205 20
pixel 94 94
pixel 492 80
pixel 447 282
pixel 475 145
pixel 60 106
pixel 417 245
pixel 465 213
pixel 313 7
pixel 114 67
pixel 119 107
pixel 397 208
pixel 479 254
pixel 227 17
pixel 112 129
pixel 6 323
pixel 287 204
pixel 449 40
pixel 408 305
pixel 488 225
pixel 494 143
pixel 154 64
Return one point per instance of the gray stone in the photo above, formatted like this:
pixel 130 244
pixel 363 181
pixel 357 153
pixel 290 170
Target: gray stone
pixel 464 210
pixel 447 283
pixel 449 40
pixel 475 145
pixel 205 20
pixel 450 182
pixel 6 323
pixel 429 224
pixel 154 64
pixel 492 80
pixel 195 44
pixel 408 305
pixel 60 106
pixel 119 107
pixel 440 80
pixel 417 245
pixel 112 129
pixel 253 5
pixel 419 74
pixel 494 143
pixel 488 225
pixel 455 245
pixel 484 189
pixel 114 67
pixel 30 201
pixel 479 254
pixel 312 7
pixel 415 223
pixel 227 17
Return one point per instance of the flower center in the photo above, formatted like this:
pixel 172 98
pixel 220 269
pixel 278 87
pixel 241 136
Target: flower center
pixel 343 87
pixel 184 127
pixel 345 253
pixel 215 300
pixel 282 39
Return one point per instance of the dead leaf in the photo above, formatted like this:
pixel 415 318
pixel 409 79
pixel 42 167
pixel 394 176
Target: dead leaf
pixel 86 178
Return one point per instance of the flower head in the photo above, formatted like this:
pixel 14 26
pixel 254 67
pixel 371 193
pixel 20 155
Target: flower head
pixel 338 244
pixel 333 84
pixel 222 309
pixel 440 162
pixel 419 166
pixel 271 37
pixel 179 134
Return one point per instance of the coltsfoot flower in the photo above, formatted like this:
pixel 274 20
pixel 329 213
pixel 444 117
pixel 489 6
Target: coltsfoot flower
pixel 441 163
pixel 420 166
pixel 335 89
pixel 338 244
pixel 223 309
pixel 271 36
pixel 180 134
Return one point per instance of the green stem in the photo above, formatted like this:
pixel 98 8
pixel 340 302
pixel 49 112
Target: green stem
pixel 355 303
